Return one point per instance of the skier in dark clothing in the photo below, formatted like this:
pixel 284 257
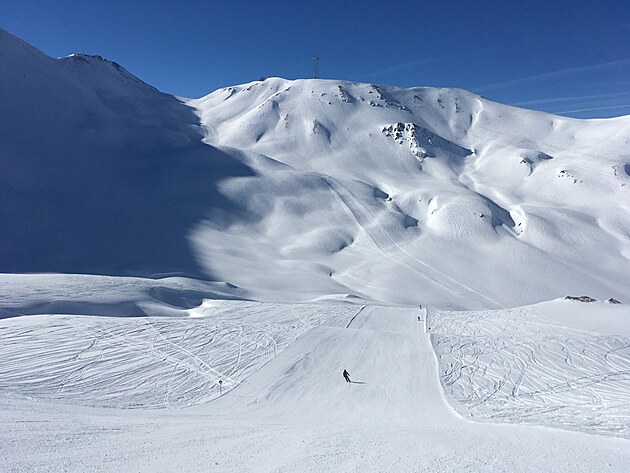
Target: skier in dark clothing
pixel 346 376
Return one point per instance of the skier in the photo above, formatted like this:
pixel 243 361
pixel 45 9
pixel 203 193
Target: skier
pixel 346 376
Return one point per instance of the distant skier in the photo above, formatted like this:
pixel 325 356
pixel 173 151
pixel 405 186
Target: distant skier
pixel 346 376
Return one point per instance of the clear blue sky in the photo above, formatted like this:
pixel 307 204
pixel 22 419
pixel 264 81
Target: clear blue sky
pixel 567 57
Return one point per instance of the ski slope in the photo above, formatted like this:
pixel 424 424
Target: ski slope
pixel 148 362
pixel 523 366
pixel 296 413
pixel 183 281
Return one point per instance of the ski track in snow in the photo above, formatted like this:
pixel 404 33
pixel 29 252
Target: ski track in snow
pixel 151 362
pixel 432 196
pixel 295 413
pixel 517 366
pixel 513 366
pixel 383 240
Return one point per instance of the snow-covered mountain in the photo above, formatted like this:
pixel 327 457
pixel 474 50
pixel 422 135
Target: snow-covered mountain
pixel 365 201
pixel 422 194
pixel 101 173
pixel 298 190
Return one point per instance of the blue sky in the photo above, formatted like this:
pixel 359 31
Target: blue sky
pixel 566 57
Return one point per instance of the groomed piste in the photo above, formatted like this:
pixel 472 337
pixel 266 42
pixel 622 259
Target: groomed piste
pixel 286 407
pixel 184 281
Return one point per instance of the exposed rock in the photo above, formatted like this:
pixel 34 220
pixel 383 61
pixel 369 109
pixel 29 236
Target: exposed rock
pixel 580 298
pixel 406 132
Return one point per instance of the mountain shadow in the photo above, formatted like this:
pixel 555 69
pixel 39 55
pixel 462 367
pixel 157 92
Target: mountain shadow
pixel 101 173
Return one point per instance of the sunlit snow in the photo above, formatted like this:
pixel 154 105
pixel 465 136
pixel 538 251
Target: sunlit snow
pixel 185 280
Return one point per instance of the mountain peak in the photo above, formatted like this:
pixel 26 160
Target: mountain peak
pixel 295 189
pixel 21 60
pixel 99 64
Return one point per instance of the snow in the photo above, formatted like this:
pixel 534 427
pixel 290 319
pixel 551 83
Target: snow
pixel 434 186
pixel 295 190
pixel 148 362
pixel 82 294
pixel 522 366
pixel 184 280
pixel 102 173
pixel 600 317
pixel 294 414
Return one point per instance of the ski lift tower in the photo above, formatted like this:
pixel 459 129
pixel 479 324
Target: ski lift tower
pixel 315 67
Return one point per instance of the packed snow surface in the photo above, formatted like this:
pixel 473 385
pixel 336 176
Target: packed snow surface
pixel 184 281
pixel 151 362
pixel 523 366
pixel 295 413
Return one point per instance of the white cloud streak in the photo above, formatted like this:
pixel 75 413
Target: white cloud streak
pixel 575 98
pixel 593 109
pixel 550 75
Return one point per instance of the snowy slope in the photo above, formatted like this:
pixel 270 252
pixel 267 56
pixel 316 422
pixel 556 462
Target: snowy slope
pixel 434 195
pixel 101 173
pixel 324 199
pixel 297 190
pixel 149 362
pixel 294 414
pixel 525 365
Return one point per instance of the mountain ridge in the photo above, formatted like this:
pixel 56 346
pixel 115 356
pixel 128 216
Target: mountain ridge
pixel 462 167
pixel 297 190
